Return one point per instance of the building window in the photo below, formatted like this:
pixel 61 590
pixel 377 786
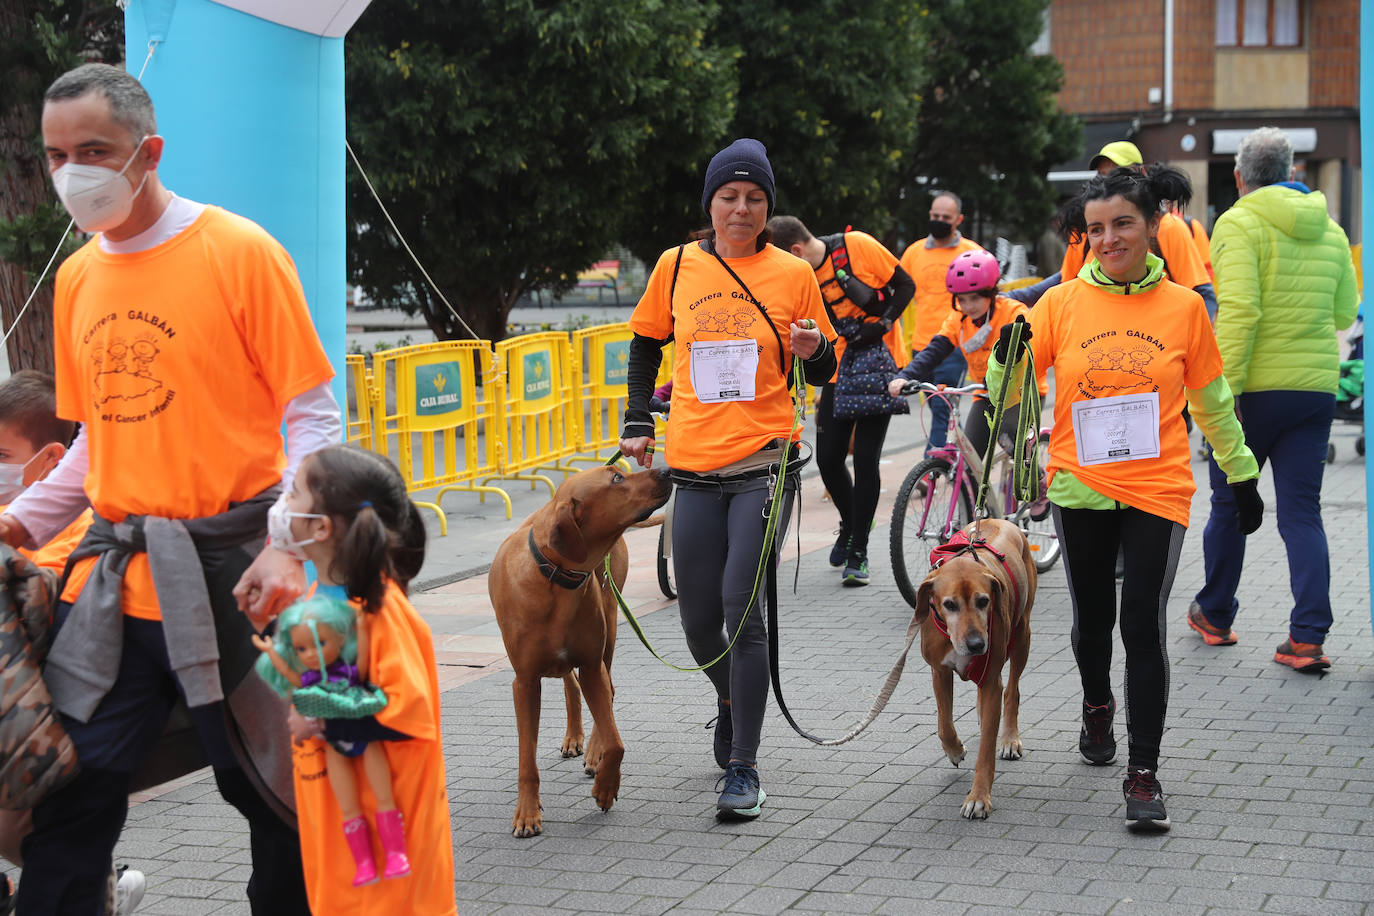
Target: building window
pixel 1259 23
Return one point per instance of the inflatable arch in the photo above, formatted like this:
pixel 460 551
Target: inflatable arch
pixel 250 96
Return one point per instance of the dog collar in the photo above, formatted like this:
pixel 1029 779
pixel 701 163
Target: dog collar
pixel 565 578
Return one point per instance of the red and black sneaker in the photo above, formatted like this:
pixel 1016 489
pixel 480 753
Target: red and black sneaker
pixel 1144 802
pixel 1211 634
pixel 1302 656
pixel 1096 742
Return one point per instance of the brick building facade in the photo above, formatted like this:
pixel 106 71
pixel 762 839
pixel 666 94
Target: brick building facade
pixel 1230 66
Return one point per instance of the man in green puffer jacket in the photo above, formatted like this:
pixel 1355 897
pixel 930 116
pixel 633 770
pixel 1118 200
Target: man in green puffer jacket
pixel 1285 285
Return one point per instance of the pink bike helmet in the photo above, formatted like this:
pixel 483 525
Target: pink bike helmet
pixel 973 272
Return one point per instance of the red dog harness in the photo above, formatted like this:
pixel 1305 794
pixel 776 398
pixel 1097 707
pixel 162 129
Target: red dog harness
pixel 960 544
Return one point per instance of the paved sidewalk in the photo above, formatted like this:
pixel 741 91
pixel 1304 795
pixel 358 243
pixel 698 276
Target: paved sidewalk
pixel 1269 773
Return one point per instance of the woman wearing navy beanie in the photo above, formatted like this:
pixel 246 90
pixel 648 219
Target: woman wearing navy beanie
pixel 740 309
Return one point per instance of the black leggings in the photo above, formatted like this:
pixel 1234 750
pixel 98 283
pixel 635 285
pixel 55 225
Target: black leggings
pixel 717 539
pixel 1151 546
pixel 856 499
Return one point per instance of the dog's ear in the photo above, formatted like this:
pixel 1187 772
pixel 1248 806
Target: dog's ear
pixel 924 596
pixel 1000 599
pixel 566 537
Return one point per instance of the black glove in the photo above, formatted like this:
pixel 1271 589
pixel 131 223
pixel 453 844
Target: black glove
pixel 999 350
pixel 1249 506
pixel 869 333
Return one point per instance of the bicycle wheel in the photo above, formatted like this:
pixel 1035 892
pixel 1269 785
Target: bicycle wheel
pixel 1043 539
pixel 922 521
pixel 665 569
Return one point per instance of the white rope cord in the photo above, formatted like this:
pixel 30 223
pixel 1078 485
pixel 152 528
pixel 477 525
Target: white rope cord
pixel 152 46
pixel 495 357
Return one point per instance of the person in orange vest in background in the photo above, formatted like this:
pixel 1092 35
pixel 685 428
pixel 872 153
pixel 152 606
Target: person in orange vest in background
pixel 865 291
pixel 1183 261
pixel 927 260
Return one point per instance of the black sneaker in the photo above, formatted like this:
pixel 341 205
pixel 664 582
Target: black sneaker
pixel 743 798
pixel 1144 802
pixel 1096 742
pixel 841 548
pixel 725 732
pixel 855 569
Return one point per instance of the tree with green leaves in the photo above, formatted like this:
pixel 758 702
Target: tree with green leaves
pixel 39 41
pixel 833 90
pixel 990 126
pixel 512 142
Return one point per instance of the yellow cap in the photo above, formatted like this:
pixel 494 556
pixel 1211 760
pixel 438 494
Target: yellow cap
pixel 1122 152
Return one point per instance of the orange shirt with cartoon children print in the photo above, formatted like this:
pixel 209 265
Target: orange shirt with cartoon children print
pixel 730 393
pixel 1146 347
pixel 179 361
pixel 402 664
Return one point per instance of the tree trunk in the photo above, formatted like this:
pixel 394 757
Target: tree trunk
pixel 23 187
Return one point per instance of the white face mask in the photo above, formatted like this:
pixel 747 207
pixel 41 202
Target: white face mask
pixel 12 480
pixel 99 199
pixel 279 529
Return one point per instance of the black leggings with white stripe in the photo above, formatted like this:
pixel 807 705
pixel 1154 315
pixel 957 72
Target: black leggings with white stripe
pixel 1151 546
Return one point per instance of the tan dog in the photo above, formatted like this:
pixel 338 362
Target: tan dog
pixel 557 613
pixel 983 597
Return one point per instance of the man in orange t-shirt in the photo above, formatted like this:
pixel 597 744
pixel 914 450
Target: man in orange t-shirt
pixel 926 261
pixel 178 328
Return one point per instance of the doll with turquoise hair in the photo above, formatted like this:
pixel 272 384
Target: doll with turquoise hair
pixel 321 640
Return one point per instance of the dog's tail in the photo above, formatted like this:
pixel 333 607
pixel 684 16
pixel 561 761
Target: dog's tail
pixel 652 521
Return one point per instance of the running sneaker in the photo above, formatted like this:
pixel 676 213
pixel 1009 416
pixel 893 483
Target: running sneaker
pixel 743 798
pixel 1302 656
pixel 1211 634
pixel 725 732
pixel 129 890
pixel 841 548
pixel 1144 802
pixel 855 569
pixel 1096 742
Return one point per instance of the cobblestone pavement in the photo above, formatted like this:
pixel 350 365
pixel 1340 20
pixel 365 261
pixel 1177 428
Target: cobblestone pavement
pixel 1269 773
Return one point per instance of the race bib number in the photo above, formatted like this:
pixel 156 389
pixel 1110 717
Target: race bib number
pixel 724 370
pixel 1120 428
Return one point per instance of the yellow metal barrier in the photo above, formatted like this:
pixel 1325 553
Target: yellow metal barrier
pixel 359 423
pixel 536 413
pixel 430 415
pixel 600 369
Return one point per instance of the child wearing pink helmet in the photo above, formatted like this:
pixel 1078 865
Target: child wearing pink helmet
pixel 977 314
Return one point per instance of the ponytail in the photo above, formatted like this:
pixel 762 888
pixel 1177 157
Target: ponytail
pixel 1147 189
pixel 361 557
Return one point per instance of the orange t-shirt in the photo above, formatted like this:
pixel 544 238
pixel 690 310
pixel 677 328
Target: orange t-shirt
pixel 871 264
pixel 1105 344
pixel 708 307
pixel 1204 245
pixel 179 361
pixel 930 306
pixel 1182 262
pixel 402 665
pixel 960 330
pixel 53 554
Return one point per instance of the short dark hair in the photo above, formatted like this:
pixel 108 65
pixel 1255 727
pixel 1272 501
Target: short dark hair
pixel 1146 188
pixel 788 231
pixel 130 104
pixel 28 403
pixel 958 201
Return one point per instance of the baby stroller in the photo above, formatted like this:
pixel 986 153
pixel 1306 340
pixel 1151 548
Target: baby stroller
pixel 1350 389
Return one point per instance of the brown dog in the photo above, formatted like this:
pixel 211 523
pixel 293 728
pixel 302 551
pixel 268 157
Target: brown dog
pixel 974 611
pixel 557 613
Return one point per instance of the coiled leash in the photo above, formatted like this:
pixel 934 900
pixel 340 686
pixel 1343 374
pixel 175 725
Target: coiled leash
pixel 1025 457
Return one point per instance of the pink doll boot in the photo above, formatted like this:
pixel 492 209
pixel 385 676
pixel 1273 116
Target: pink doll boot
pixel 360 844
pixel 393 833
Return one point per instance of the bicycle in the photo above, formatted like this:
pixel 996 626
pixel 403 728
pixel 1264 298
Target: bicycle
pixel 938 495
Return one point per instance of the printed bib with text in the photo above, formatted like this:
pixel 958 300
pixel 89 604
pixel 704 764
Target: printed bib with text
pixel 724 370
pixel 1120 428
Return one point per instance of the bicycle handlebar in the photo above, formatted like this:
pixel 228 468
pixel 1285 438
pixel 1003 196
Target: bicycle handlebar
pixel 913 387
